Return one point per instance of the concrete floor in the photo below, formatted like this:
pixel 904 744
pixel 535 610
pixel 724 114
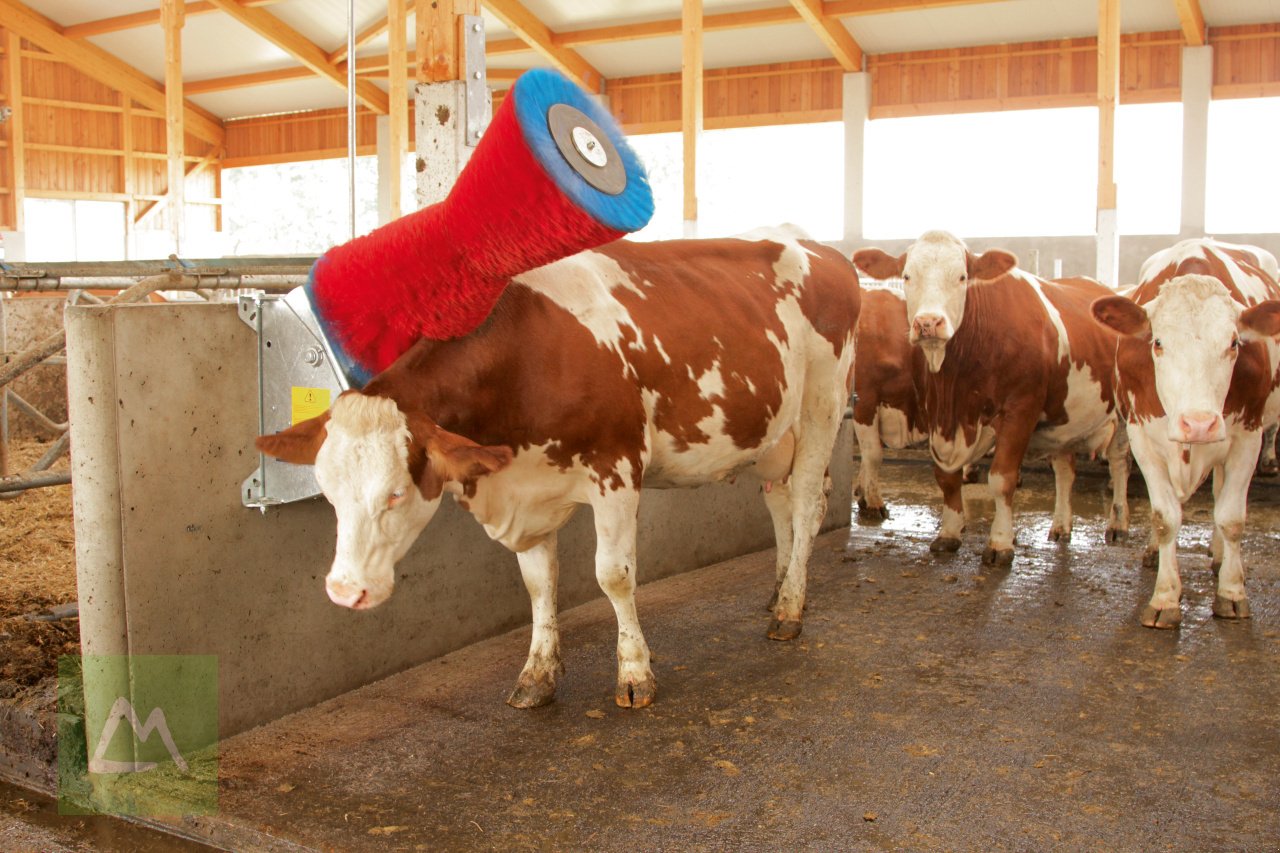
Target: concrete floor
pixel 929 705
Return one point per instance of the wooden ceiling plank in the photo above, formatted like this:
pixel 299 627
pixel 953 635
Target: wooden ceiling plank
pixel 118 23
pixel 831 33
pixel 302 49
pixel 102 66
pixel 533 32
pixel 1192 21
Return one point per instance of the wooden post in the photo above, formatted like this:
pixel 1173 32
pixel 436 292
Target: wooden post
pixel 440 57
pixel 1108 235
pixel 691 107
pixel 398 95
pixel 17 142
pixel 175 131
pixel 127 183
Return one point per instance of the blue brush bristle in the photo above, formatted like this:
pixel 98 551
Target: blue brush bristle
pixel 535 93
pixel 357 375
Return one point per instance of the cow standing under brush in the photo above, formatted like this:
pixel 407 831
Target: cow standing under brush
pixel 657 364
pixel 1015 365
pixel 1198 379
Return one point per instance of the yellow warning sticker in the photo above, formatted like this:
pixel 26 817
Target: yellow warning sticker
pixel 307 403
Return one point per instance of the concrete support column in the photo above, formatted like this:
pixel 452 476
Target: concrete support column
pixel 1197 89
pixel 440 111
pixel 857 110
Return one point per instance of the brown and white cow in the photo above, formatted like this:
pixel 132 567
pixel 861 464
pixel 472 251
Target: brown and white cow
pixel 888 388
pixel 656 364
pixel 1015 365
pixel 1198 378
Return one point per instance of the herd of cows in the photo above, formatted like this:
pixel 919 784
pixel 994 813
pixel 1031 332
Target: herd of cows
pixel 678 363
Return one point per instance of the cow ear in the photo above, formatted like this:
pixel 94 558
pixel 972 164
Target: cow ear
pixel 879 264
pixel 991 264
pixel 298 444
pixel 1123 315
pixel 1261 321
pixel 450 456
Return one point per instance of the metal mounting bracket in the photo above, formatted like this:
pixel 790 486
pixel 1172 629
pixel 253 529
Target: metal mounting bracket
pixel 298 378
pixel 477 82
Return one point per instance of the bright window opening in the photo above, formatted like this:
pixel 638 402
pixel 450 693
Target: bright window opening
pixel 67 230
pixel 1243 195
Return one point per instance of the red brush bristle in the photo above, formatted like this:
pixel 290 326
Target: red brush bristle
pixel 437 273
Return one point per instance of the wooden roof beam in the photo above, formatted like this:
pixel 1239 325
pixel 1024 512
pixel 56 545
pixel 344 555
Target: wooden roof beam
pixel 102 66
pixel 536 35
pixel 302 49
pixel 1192 20
pixel 143 19
pixel 831 33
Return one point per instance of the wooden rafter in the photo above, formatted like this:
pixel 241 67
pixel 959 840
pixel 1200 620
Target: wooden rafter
pixel 144 19
pixel 831 33
pixel 1192 20
pixel 302 49
pixel 670 27
pixel 171 19
pixel 102 66
pixel 536 35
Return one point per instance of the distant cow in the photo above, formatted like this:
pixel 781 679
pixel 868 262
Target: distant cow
pixel 888 386
pixel 1014 364
pixel 1197 382
pixel 658 364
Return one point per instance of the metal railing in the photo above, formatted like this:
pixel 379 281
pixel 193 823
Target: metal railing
pixel 135 281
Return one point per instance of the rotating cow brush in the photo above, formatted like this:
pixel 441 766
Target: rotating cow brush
pixel 552 176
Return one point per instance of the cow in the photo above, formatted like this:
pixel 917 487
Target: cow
pixel 1015 365
pixel 1197 381
pixel 665 364
pixel 888 383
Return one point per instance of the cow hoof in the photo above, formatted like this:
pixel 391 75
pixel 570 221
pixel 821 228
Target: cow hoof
pixel 638 695
pixel 872 513
pixel 993 557
pixel 945 545
pixel 785 629
pixel 1057 534
pixel 1151 558
pixel 1225 608
pixel 1115 535
pixel 531 692
pixel 1169 617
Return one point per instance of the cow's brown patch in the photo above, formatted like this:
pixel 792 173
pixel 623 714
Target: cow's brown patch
pixel 889 370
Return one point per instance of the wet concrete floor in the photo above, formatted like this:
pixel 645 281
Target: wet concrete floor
pixel 930 704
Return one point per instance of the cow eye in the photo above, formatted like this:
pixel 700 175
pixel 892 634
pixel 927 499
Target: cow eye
pixel 906 277
pixel 964 276
pixel 1157 346
pixel 1235 344
pixel 395 497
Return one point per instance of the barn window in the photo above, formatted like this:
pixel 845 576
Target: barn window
pixel 74 230
pixel 1243 170
pixel 1148 168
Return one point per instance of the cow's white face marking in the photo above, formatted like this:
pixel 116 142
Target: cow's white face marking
pixel 363 470
pixel 1195 339
pixel 935 280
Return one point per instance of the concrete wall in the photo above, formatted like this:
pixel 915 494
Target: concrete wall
pixel 163 412
pixel 1078 254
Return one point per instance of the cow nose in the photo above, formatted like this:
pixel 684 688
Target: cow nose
pixel 929 325
pixel 1200 427
pixel 345 594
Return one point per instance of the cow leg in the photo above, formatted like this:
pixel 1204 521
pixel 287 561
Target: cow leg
pixel 1215 542
pixel 948 538
pixel 1064 478
pixel 540 568
pixel 1164 610
pixel 1229 508
pixel 615 516
pixel 1006 469
pixel 809 484
pixel 1118 464
pixel 870 453
pixel 777 497
pixel 1267 464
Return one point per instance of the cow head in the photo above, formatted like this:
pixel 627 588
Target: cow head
pixel 385 473
pixel 936 273
pixel 1195 331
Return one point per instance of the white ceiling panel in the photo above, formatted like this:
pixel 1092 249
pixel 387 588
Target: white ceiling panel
pixel 761 45
pixel 212 46
pixel 1227 13
pixel 68 12
pixel 325 21
pixel 286 97
pixel 630 58
pixel 577 15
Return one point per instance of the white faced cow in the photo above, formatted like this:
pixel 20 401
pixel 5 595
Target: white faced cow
pixel 1198 377
pixel 657 364
pixel 1015 365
